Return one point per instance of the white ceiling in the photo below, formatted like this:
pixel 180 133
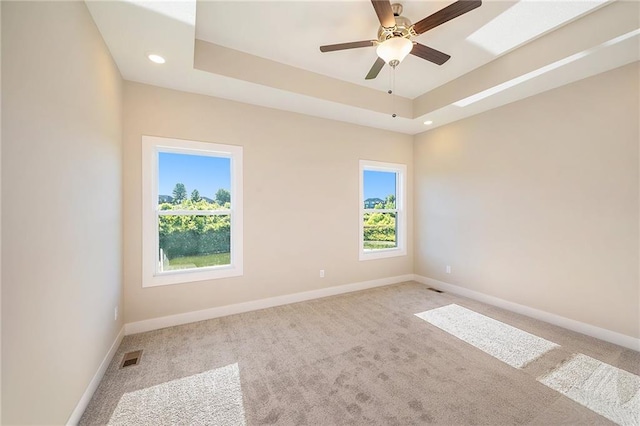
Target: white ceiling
pixel 307 25
pixel 290 32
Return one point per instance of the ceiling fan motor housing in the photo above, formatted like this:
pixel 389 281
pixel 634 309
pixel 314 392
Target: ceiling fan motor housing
pixel 402 28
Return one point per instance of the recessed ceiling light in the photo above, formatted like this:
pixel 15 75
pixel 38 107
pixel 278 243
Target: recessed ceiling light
pixel 428 122
pixel 156 58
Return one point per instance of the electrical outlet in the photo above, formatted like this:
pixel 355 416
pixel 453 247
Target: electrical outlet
pixel 321 273
pixel 448 269
pixel 115 314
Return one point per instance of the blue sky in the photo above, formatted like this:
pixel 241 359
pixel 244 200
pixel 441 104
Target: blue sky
pixel 206 174
pixel 379 184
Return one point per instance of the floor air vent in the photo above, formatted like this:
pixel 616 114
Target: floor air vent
pixel 131 358
pixel 435 289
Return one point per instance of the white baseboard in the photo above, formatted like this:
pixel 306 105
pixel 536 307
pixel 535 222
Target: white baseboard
pixel 580 327
pixel 93 385
pixel 221 311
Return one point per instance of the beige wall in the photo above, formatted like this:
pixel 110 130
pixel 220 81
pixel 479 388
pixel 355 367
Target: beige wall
pixel 300 198
pixel 61 210
pixel 0 215
pixel 537 202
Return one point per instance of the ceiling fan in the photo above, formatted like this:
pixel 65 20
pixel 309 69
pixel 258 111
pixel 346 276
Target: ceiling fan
pixel 394 35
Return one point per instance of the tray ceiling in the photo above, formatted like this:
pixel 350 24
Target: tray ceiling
pixel 267 53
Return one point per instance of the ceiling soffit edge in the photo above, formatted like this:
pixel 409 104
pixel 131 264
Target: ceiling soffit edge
pixel 232 63
pixel 613 20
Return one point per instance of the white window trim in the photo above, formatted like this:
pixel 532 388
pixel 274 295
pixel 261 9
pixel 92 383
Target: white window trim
pixel 151 146
pixel 401 216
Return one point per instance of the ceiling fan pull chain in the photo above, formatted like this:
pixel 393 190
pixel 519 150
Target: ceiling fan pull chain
pixel 393 92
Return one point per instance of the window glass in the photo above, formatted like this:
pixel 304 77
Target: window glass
pixel 382 215
pixel 193 183
pixel 188 242
pixel 379 189
pixel 379 228
pixel 380 231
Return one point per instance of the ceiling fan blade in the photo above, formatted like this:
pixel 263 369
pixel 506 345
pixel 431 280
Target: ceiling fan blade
pixel 426 52
pixel 375 69
pixel 343 46
pixel 384 12
pixel 448 13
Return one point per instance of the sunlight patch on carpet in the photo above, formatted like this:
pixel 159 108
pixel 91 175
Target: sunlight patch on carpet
pixel 210 398
pixel 504 342
pixel 609 391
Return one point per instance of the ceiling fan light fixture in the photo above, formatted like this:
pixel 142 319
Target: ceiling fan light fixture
pixel 394 49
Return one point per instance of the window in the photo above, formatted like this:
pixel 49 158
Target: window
pixel 192 211
pixel 383 223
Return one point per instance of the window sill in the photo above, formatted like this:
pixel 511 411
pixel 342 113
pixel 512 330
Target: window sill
pixel 189 275
pixel 382 253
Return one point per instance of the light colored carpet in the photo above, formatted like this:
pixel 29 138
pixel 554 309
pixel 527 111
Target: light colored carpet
pixel 357 359
pixel 213 397
pixel 607 390
pixel 509 344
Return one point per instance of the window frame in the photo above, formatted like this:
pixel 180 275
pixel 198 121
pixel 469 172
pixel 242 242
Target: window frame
pixel 401 215
pixel 151 147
